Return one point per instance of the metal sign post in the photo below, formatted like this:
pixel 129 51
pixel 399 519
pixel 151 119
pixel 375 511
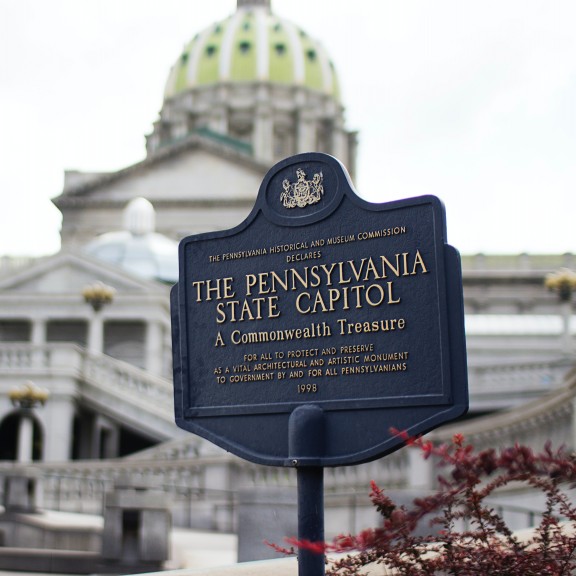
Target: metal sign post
pixel 311 519
pixel 298 333
pixel 306 436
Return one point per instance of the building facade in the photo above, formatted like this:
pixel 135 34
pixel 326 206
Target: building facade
pixel 244 93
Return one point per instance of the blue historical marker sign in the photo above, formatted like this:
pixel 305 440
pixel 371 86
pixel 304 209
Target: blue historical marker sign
pixel 319 299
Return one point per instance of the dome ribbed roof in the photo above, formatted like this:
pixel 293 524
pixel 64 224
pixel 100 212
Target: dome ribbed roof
pixel 253 45
pixel 138 249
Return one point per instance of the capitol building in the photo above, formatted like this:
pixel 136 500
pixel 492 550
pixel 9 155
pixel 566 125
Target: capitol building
pixel 86 396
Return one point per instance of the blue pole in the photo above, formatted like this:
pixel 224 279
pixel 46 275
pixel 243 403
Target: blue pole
pixel 310 519
pixel 306 447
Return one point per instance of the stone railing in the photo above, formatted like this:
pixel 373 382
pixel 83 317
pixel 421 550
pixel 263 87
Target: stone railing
pixel 24 357
pixel 508 384
pixel 203 481
pixel 102 375
pixel 118 387
pixel 197 500
pixel 534 262
pixel 548 418
pixel 203 491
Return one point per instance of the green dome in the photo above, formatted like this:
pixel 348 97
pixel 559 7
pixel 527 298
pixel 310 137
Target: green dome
pixel 253 45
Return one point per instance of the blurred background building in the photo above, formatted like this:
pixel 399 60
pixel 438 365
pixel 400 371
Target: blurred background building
pixel 85 351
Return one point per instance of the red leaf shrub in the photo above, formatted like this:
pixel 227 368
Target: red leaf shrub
pixel 471 538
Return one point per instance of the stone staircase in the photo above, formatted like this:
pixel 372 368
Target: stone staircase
pixel 117 389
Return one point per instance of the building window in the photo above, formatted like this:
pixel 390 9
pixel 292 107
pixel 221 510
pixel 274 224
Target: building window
pixel 125 340
pixel 15 331
pixel 67 331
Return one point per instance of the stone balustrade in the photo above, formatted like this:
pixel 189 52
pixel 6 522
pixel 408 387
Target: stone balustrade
pixel 128 383
pixel 517 262
pixel 506 384
pixel 24 357
pixel 202 481
pixel 542 376
pixel 118 388
pixel 197 500
pixel 549 418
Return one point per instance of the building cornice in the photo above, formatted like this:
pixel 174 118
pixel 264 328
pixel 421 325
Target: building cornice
pixel 76 194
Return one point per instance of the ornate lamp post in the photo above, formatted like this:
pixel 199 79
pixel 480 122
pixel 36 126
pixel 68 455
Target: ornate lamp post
pixel 27 397
pixel 563 282
pixel 97 295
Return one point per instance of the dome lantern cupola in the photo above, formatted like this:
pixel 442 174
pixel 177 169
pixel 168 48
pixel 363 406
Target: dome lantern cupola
pixel 259 84
pixel 139 217
pixel 138 248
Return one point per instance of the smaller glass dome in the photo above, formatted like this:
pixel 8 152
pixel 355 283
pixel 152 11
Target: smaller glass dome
pixel 138 249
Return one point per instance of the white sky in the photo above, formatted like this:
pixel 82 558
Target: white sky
pixel 470 100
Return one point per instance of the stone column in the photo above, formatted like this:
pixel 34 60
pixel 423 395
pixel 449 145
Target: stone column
pixel 218 122
pixel 25 438
pixel 420 471
pixel 57 422
pixel 306 135
pixel 263 141
pixel 38 337
pixel 566 312
pixel 154 348
pixel 97 295
pixel 105 438
pixel 340 143
pixel 220 476
pixel 96 334
pixel 167 353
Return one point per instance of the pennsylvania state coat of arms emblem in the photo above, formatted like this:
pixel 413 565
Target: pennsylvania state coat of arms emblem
pixel 302 192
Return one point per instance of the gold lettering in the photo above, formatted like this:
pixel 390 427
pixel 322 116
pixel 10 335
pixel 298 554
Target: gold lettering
pixel 356 273
pixel 220 314
pixel 250 282
pixel 276 278
pixel 390 297
pixel 303 280
pixel 223 289
pixel 386 262
pixel 405 258
pixel 341 272
pixel 382 294
pixel 328 272
pixel 418 261
pixel 298 298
